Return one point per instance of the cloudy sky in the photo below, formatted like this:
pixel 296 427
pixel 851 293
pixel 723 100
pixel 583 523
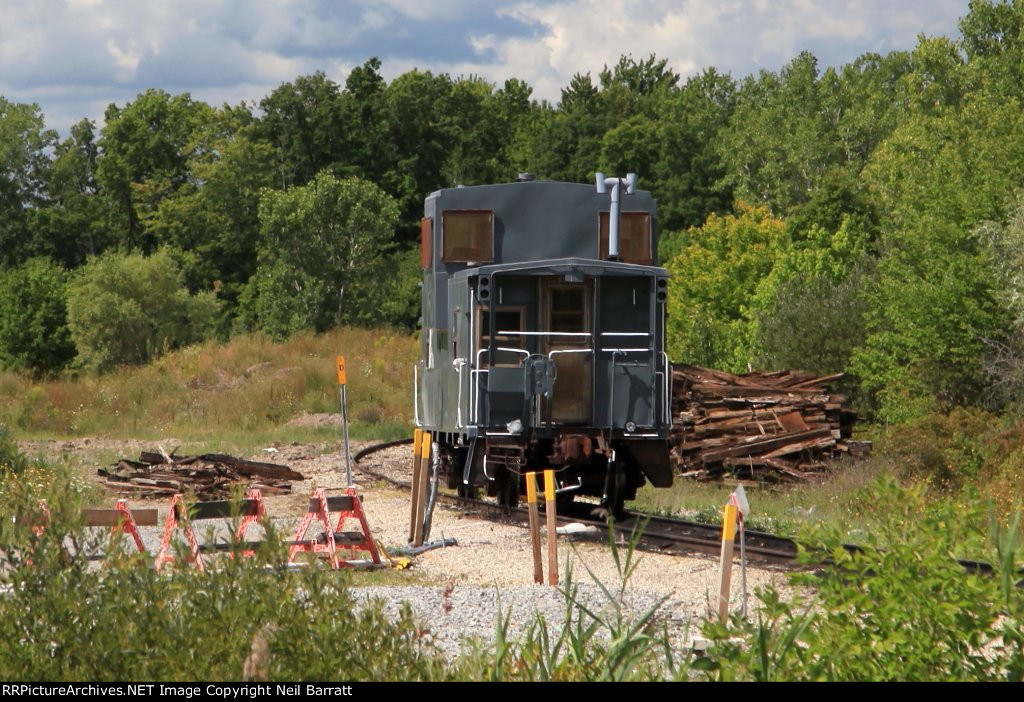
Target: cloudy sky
pixel 73 57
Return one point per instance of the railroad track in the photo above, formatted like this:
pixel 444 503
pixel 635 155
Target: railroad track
pixel 658 534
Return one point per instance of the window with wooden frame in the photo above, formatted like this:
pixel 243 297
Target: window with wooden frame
pixel 506 319
pixel 634 237
pixel 426 242
pixel 467 236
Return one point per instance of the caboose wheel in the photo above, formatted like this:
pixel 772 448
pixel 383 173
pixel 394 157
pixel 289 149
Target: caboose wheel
pixel 614 501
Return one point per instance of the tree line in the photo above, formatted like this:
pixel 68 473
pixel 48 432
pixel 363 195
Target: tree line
pixel 866 218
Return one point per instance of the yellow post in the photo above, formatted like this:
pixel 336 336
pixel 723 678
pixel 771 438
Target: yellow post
pixel 531 501
pixel 728 546
pixel 416 440
pixel 421 492
pixel 549 509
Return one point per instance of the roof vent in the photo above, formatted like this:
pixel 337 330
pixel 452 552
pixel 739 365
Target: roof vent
pixel 525 177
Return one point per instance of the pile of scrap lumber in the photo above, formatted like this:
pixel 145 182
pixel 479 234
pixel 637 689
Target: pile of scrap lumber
pixel 778 426
pixel 209 476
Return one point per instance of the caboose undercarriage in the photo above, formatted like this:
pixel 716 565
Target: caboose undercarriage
pixel 585 464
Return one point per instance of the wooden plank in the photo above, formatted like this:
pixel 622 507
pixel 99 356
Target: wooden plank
pixel 793 421
pixel 759 446
pixel 336 503
pixel 822 442
pixel 264 470
pixel 112 517
pixel 222 509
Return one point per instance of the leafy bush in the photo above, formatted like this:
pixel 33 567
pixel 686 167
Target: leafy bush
pixel 813 324
pixel 11 458
pixel 34 332
pixel 945 451
pixel 127 308
pixel 322 256
pixel 901 609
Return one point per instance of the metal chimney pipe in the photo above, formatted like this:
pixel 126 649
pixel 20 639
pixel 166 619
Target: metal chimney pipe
pixel 603 184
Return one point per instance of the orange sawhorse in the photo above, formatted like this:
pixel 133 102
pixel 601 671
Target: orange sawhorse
pixel 180 516
pixel 334 538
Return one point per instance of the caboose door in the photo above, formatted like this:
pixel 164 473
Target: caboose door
pixel 566 314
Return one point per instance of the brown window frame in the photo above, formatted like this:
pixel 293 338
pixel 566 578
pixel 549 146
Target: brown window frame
pixel 426 242
pixel 604 234
pixel 445 257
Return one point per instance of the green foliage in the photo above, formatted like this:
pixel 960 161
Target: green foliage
pixel 941 451
pixel 145 160
pixel 12 460
pixel 928 318
pixel 900 609
pixel 212 216
pixel 71 227
pixel 128 308
pixel 715 278
pixel 813 324
pixel 322 255
pixel 34 332
pixel 240 618
pixel 24 141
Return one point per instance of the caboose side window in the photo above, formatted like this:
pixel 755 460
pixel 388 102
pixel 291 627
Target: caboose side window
pixel 426 242
pixel 634 237
pixel 467 236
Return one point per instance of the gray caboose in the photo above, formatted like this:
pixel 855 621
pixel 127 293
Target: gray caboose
pixel 543 339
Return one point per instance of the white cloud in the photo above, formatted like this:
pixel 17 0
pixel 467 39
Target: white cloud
pixel 65 53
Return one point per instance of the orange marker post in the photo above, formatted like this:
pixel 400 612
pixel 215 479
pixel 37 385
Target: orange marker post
pixel 531 501
pixel 549 509
pixel 342 379
pixel 728 548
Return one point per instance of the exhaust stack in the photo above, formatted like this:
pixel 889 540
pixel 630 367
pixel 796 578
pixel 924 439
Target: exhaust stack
pixel 613 216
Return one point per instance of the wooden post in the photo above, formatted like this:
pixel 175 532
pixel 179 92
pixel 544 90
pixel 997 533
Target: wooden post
pixel 550 511
pixel 728 547
pixel 413 501
pixel 531 500
pixel 421 492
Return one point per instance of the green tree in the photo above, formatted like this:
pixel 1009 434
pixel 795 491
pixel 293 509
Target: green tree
pixel 212 217
pixel 129 308
pixel 34 332
pixel 145 160
pixel 929 317
pixel 718 276
pixel 303 121
pixel 322 255
pixel 71 225
pixel 24 142
pixel 688 176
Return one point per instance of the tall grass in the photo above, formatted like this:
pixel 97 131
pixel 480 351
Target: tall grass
pixel 246 386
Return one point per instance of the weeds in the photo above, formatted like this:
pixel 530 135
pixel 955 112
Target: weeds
pixel 594 645
pixel 248 386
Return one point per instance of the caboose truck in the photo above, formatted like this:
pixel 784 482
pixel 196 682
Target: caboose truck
pixel 542 340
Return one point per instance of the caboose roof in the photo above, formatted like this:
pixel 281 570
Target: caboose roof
pixel 563 266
